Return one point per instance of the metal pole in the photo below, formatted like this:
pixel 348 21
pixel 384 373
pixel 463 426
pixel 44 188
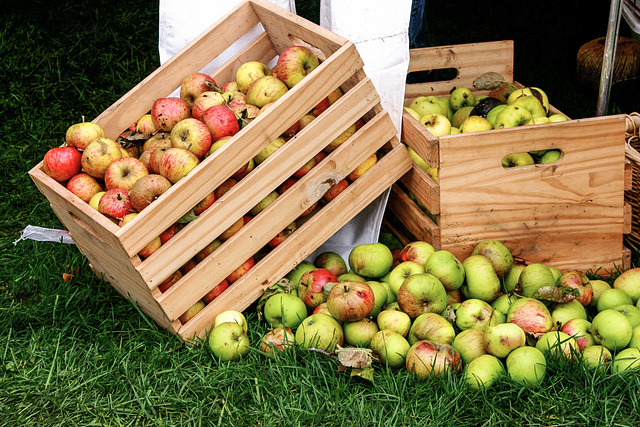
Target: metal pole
pixel 609 56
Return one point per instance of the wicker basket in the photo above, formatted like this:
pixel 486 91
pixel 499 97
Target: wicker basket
pixel 632 196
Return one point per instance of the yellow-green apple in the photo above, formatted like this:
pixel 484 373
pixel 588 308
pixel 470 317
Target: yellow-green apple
pixel 371 260
pixel 418 251
pixel 483 371
pixel 632 313
pixel 380 294
pixel 424 105
pixel 470 344
pixel 360 332
pixel 427 359
pixel 350 301
pixel 627 359
pixel 231 316
pixel 530 91
pixel 319 331
pixel 503 338
pixel 394 320
pixel 147 189
pixel 84 186
pixel 193 135
pixel 437 124
pixel 265 90
pixel 499 255
pixel 629 282
pixel 473 313
pixel 248 72
pixel 304 169
pixel 176 163
pixel 565 311
pixel 194 85
pixel 513 116
pixel 531 315
pixel 400 272
pixel 390 347
pixel 481 281
pixel 418 160
pixel 95 200
pixel 311 286
pixel 550 156
pixel 635 338
pixel 340 139
pixel 432 327
pixel 541 120
pixel 532 104
pixel 517 159
pixel 207 250
pixel 279 339
pixel 166 112
pixel 533 277
pixel 558 344
pixel 221 121
pixel 284 310
pixel 81 134
pixel 580 330
pixel 413 113
pixel 115 203
pixel 493 113
pixel 444 100
pixel 145 124
pixel 124 172
pixel 475 124
pixel 191 312
pixel 241 270
pixel 204 101
pixel 331 261
pixel 461 97
pixel 264 203
pixel 611 298
pixel 98 155
pixel 267 151
pixel 447 268
pixel 229 342
pixel 611 329
pixel 335 95
pixel 503 302
pixel 296 272
pixel 215 292
pixel 526 365
pixel 460 116
pixel 422 293
pixel 597 357
pixel 363 167
pixel 295 63
pixel 557 117
pixel 579 281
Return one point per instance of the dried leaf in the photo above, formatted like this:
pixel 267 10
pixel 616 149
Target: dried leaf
pixel 355 357
pixel 556 294
pixel 366 373
pixel 489 81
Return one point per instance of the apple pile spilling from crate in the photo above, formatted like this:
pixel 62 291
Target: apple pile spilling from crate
pixel 424 310
pixel 505 106
pixel 119 178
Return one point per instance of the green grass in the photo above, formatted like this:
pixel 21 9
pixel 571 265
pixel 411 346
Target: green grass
pixel 77 353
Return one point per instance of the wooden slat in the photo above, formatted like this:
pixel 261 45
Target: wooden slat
pixel 421 185
pixel 410 215
pixel 416 136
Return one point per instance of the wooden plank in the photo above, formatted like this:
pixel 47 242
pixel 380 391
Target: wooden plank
pixel 303 241
pixel 413 218
pixel 416 136
pixel 423 187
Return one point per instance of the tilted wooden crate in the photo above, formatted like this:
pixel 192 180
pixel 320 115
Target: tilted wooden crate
pixel 570 214
pixel 112 250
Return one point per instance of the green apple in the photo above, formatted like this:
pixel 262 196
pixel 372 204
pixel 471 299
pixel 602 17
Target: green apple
pixel 428 104
pixel 530 91
pixel 444 100
pixel 527 365
pixel 233 316
pixel 635 338
pixel 563 312
pixel 351 277
pixel 454 130
pixel 413 113
pixel 460 116
pixel 513 116
pixel 557 117
pixel 427 359
pixel 611 329
pixel 432 327
pixel 297 272
pixel 551 156
pixel 391 348
pixel 558 343
pixel 284 310
pixel 422 293
pixel 499 255
pixel 626 360
pixel 503 302
pixel 503 338
pixel 391 296
pixel 629 282
pixel 401 271
pixel 541 120
pixel 461 97
pixel 474 313
pixel 517 159
pixel 475 124
pixel 437 124
pixel 483 371
pixel 470 344
pixel 394 320
pixel 493 113
pixel 418 160
pixel 533 277
pixel 598 286
pixel 371 260
pixel 320 331
pixel 359 333
pixel 229 342
pixel 631 311
pixel 611 298
pixel 481 280
pixel 510 281
pixel 418 251
pixel 532 104
pixel 447 268
pixel 597 357
pixel 380 296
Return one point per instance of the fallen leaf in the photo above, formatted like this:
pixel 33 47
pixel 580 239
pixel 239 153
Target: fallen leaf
pixel 352 357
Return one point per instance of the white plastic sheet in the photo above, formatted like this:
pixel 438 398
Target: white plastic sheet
pixel 42 234
pixel 379 29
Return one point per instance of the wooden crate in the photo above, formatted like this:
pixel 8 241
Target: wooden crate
pixel 112 250
pixel 570 214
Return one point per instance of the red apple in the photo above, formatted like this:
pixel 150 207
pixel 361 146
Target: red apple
pixel 124 172
pixel 195 84
pixel 170 232
pixel 193 135
pixel 224 187
pixel 98 155
pixel 115 203
pixel 170 281
pixel 166 112
pixel 157 140
pixel 188 266
pixel 531 315
pixel 221 121
pixel 350 301
pixel 235 98
pixel 61 163
pixel 295 63
pixel 84 186
pixel 150 247
pixel 205 203
pixel 281 236
pixel 334 190
pixel 320 107
pixel 216 291
pixel 145 124
pixel 155 157
pixel 241 271
pixel 82 134
pixel 207 250
pixel 147 189
pixel 233 229
pixel 204 101
pixel 176 163
pixel 310 288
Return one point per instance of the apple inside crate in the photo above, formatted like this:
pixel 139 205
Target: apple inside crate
pixel 570 213
pixel 171 283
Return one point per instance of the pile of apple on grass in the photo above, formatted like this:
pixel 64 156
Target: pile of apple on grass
pixel 120 178
pixel 486 316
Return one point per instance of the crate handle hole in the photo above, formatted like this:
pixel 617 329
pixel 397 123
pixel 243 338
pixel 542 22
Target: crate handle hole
pixel 436 75
pixel 546 157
